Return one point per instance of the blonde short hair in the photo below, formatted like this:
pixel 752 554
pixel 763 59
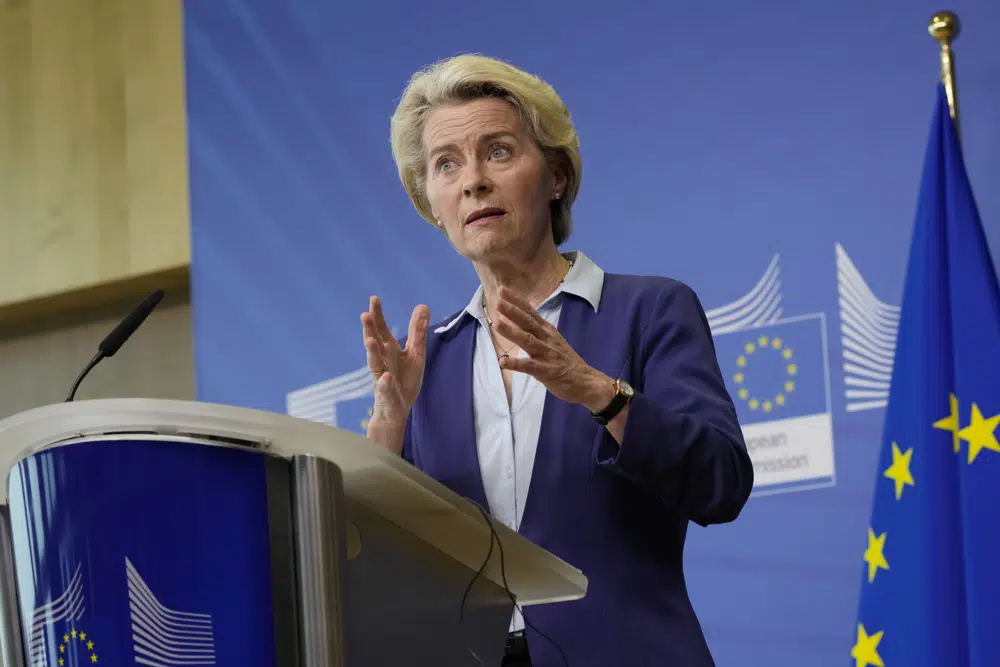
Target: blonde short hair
pixel 467 77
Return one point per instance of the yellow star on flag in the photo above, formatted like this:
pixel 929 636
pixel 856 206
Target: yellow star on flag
pixel 980 433
pixel 899 471
pixel 865 651
pixel 875 554
pixel 950 423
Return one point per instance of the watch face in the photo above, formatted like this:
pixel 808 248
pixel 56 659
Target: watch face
pixel 626 388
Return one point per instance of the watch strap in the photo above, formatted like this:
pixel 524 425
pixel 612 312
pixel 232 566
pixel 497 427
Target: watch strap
pixel 618 402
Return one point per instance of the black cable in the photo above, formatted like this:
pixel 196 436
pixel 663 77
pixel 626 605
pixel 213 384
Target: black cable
pixel 506 586
pixel 503 572
pixel 468 589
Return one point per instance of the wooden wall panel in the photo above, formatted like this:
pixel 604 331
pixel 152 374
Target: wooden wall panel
pixel 157 361
pixel 93 159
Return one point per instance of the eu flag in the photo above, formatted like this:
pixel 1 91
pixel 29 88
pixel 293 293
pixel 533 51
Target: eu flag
pixel 931 578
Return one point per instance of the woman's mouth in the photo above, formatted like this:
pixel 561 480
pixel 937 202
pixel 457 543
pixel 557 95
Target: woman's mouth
pixel 485 216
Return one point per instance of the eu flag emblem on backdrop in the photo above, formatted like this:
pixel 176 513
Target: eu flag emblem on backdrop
pixel 931 578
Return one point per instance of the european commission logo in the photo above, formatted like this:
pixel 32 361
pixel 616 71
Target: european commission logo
pixel 164 637
pixel 46 646
pixel 868 329
pixel 777 373
pixel 778 377
pixel 61 635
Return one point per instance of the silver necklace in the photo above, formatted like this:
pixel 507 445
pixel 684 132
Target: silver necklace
pixel 489 321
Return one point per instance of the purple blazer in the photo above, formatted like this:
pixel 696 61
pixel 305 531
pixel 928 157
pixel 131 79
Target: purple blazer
pixel 619 514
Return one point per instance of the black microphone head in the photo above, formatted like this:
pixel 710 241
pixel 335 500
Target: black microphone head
pixel 114 340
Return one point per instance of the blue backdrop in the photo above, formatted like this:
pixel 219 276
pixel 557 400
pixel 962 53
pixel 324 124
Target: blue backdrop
pixel 767 155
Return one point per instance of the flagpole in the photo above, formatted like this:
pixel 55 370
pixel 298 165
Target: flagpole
pixel 944 27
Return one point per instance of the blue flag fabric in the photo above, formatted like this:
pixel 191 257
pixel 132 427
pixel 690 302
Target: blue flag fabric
pixel 931 579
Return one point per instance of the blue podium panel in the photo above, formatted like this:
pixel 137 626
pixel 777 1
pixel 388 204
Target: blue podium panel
pixel 144 551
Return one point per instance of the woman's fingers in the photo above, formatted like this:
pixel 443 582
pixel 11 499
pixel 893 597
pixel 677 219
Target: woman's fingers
pixel 417 336
pixel 373 341
pixel 375 356
pixel 384 334
pixel 386 360
pixel 383 349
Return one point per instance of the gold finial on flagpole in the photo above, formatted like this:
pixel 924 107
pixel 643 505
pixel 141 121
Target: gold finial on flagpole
pixel 944 27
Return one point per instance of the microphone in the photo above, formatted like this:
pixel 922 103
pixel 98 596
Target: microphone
pixel 121 333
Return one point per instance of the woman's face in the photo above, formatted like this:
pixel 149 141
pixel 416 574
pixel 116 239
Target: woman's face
pixel 488 184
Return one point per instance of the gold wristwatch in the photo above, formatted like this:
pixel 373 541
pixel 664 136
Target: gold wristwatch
pixel 623 394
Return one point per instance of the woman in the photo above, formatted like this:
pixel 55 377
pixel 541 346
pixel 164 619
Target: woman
pixel 586 410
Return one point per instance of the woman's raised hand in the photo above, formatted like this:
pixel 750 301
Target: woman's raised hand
pixel 397 372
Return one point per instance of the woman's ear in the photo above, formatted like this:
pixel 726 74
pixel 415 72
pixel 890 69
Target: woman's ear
pixel 559 178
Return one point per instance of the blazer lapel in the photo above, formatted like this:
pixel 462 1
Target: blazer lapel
pixel 456 459
pixel 576 326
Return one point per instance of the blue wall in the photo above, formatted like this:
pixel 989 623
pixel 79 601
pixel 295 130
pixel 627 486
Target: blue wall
pixel 727 145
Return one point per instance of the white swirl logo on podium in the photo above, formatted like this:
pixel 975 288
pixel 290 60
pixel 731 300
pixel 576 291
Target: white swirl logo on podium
pixel 164 637
pixel 60 636
pixel 62 614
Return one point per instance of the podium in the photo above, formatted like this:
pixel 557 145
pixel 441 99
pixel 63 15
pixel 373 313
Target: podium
pixel 162 533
